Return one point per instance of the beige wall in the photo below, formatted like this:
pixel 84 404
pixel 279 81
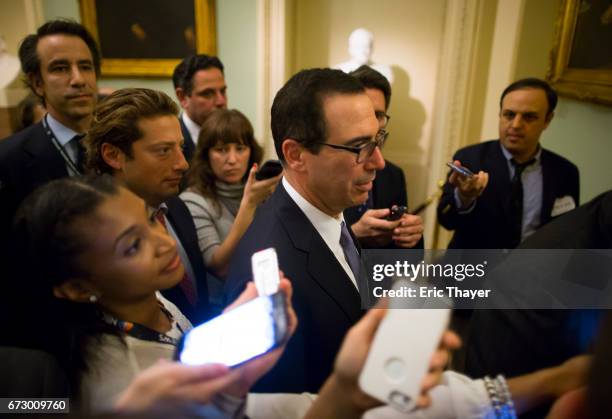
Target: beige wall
pixel 408 36
pixel 13 23
pixel 580 131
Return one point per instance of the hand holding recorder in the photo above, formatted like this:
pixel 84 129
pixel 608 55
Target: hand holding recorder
pixel 379 227
pixel 261 183
pixel 375 227
pixel 469 185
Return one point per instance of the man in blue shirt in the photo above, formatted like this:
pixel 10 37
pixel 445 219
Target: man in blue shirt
pixel 517 185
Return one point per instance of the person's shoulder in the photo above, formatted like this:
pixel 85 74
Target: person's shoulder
pixel 558 160
pixel 192 197
pixel 15 142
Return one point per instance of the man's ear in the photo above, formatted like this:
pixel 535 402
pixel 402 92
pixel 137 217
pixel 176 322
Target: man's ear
pixel 112 156
pixel 181 96
pixel 76 290
pixel 36 83
pixel 294 154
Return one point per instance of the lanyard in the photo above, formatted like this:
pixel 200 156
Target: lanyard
pixel 72 166
pixel 141 332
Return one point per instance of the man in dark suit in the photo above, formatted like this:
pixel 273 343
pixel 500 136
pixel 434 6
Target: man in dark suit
pixel 516 342
pixel 518 186
pixel 326 134
pixel 368 221
pixel 200 87
pixel 137 139
pixel 61 62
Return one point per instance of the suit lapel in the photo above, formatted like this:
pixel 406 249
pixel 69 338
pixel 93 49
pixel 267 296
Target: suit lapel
pixel 45 162
pixel 497 166
pixel 182 223
pixel 548 190
pixel 188 144
pixel 322 265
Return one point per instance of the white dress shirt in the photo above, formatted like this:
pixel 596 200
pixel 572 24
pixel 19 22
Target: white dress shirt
pixel 328 227
pixel 192 127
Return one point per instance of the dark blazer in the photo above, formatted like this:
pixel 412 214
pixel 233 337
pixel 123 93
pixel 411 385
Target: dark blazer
pixel 178 215
pixel 516 342
pixel 28 159
pixel 188 142
pixel 326 301
pixel 389 189
pixel 486 227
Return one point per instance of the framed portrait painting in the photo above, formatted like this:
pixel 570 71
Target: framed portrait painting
pixel 581 58
pixel 148 38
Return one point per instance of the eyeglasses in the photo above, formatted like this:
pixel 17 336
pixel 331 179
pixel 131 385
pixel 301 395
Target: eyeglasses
pixel 383 118
pixel 363 151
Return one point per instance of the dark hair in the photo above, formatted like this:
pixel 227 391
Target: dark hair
pixel 372 79
pixel 47 235
pixel 25 111
pixel 221 126
pixel 30 61
pixel 297 110
pixel 183 73
pixel 116 122
pixel 533 83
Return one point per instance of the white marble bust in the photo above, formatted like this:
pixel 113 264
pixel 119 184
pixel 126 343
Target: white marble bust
pixel 361 45
pixel 9 66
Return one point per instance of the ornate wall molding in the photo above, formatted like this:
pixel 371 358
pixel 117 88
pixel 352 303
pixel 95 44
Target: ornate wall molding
pixel 453 102
pixel 271 63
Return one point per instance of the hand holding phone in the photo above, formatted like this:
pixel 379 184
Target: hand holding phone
pixel 400 355
pixel 461 170
pixel 248 331
pixel 469 185
pixel 396 212
pixel 265 271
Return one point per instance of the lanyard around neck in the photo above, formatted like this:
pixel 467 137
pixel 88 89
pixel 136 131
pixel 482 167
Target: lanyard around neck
pixel 72 165
pixel 138 331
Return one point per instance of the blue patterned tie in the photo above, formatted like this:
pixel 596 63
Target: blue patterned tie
pixel 350 252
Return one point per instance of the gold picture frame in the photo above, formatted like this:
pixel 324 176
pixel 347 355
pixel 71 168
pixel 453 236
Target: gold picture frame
pixel 578 68
pixel 123 42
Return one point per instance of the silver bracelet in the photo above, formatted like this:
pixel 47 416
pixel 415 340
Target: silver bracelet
pixel 501 399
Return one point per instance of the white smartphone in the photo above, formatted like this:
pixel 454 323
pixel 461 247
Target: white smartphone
pixel 265 271
pixel 239 335
pixel 400 354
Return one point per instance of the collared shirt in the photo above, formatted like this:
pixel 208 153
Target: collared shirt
pixel 63 134
pixel 328 227
pixel 533 189
pixel 179 246
pixel 192 127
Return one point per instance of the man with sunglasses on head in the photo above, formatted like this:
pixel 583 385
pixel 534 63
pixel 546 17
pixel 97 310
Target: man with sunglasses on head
pixel 369 221
pixel 328 139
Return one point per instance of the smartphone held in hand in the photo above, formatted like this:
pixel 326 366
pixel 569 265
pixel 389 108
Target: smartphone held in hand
pixel 265 271
pixel 269 169
pixel 396 212
pixel 400 355
pixel 250 330
pixel 463 171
